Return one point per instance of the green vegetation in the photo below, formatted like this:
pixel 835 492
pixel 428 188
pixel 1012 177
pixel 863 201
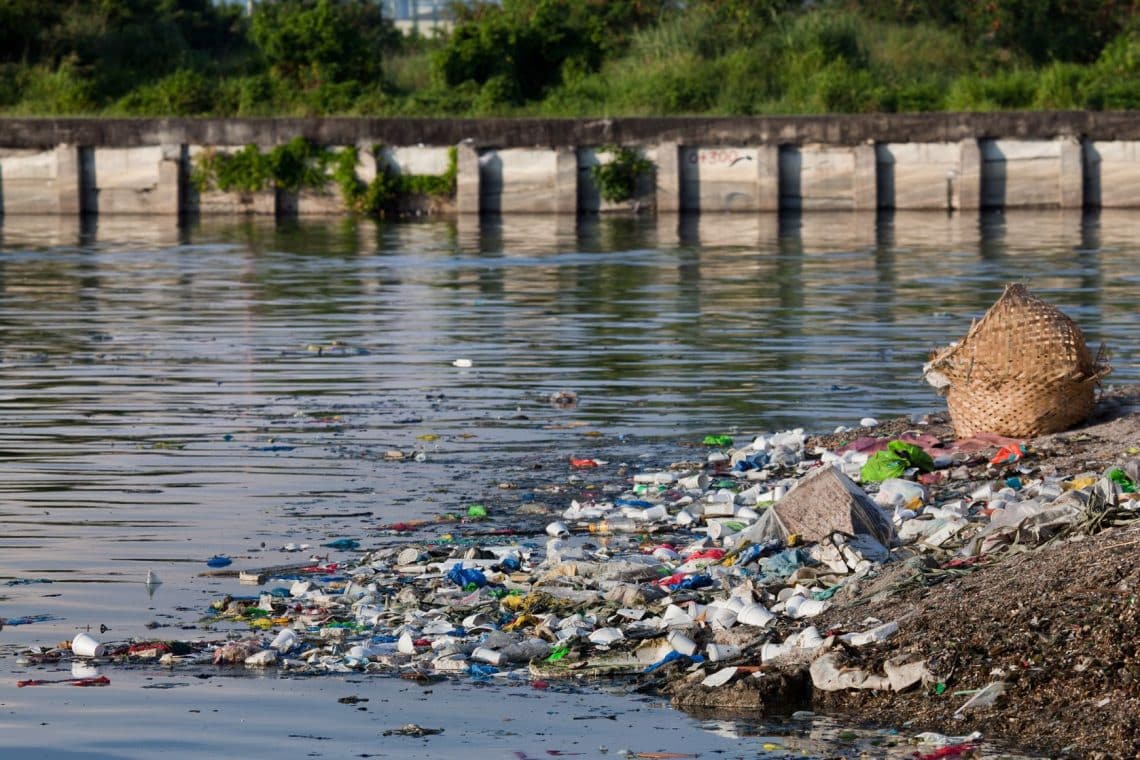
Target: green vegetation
pixel 617 178
pixel 567 58
pixel 301 165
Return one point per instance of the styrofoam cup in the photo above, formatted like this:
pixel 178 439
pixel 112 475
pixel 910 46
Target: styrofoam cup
pixel 681 643
pixel 84 645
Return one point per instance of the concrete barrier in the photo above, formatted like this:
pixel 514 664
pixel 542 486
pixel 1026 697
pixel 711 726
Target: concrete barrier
pixel 139 180
pixel 534 166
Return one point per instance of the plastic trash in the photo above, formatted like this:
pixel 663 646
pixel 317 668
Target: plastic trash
pixel 1008 454
pixel 463 577
pixel 984 698
pixel 681 643
pixel 894 461
pixel 896 492
pixel 85 645
pixel 617 525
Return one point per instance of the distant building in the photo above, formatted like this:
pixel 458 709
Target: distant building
pixel 426 17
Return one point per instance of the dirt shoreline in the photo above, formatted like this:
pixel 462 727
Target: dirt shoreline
pixel 1055 623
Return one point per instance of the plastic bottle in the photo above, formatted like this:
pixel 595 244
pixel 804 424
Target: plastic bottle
pixel 616 525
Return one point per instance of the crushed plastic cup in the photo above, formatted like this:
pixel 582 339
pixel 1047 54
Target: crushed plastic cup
pixel 771 651
pixel 696 482
pixel 755 615
pixel 489 656
pixel 802 607
pixel 718 652
pixel 721 617
pixel 606 636
pixel 85 645
pixel 719 678
pixel 809 638
pixel 675 616
pixel 286 640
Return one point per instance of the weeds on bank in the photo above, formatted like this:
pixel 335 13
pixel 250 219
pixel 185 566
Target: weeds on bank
pixel 302 165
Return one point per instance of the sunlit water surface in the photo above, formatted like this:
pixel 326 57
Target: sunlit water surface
pixel 174 393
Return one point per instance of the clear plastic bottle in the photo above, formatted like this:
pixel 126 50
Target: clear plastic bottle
pixel 617 525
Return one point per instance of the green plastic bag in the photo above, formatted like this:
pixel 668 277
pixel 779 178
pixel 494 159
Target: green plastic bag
pixel 894 461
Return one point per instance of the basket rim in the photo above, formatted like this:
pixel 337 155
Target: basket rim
pixel 942 360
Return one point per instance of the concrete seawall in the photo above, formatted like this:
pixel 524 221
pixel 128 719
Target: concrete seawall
pixel 859 162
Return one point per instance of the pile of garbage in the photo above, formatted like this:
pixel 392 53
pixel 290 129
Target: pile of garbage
pixel 707 572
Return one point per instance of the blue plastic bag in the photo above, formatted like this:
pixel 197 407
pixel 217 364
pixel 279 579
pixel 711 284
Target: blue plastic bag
pixel 462 576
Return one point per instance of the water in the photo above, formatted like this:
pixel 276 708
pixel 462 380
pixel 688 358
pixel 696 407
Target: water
pixel 230 386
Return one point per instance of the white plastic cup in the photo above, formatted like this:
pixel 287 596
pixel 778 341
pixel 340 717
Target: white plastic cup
pixel 696 482
pixel 681 643
pixel 755 614
pixel 722 617
pixel 557 530
pixel 84 645
pixel 489 656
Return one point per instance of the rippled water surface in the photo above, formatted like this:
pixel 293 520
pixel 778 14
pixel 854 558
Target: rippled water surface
pixel 170 393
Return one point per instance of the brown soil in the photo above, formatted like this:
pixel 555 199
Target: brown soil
pixel 1059 624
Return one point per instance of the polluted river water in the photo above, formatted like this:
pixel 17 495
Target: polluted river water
pixel 236 389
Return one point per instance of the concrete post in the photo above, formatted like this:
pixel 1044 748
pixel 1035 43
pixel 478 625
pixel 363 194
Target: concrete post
pixel 467 181
pixel 168 194
pixel 967 185
pixel 69 182
pixel 768 177
pixel 668 177
pixel 566 181
pixel 1072 174
pixel 865 189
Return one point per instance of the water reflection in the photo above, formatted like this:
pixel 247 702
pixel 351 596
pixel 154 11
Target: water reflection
pixel 171 393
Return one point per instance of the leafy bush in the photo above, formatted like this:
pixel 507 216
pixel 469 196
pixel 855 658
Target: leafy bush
pixel 186 92
pixel 309 42
pixel 1009 90
pixel 617 178
pixel 293 166
pixel 382 196
pixel 522 45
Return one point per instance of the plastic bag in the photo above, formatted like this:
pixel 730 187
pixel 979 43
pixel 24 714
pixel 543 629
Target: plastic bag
pixel 894 461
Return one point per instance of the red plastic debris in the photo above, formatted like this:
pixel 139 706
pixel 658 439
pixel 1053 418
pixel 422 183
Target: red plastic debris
pixel 951 750
pixel 1009 454
pixel 583 464
pixel 711 554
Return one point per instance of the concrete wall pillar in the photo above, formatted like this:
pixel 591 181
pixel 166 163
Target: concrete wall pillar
pixel 865 190
pixel 168 194
pixel 566 181
pixel 768 177
pixel 668 174
pixel 69 179
pixel 967 185
pixel 1072 173
pixel 467 192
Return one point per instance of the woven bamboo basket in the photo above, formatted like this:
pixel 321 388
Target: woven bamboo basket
pixel 1022 370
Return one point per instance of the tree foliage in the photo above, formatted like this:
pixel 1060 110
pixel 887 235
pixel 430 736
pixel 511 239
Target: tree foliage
pixel 309 42
pixel 522 48
pixel 567 57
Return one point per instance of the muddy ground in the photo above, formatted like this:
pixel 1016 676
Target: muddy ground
pixel 1059 624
